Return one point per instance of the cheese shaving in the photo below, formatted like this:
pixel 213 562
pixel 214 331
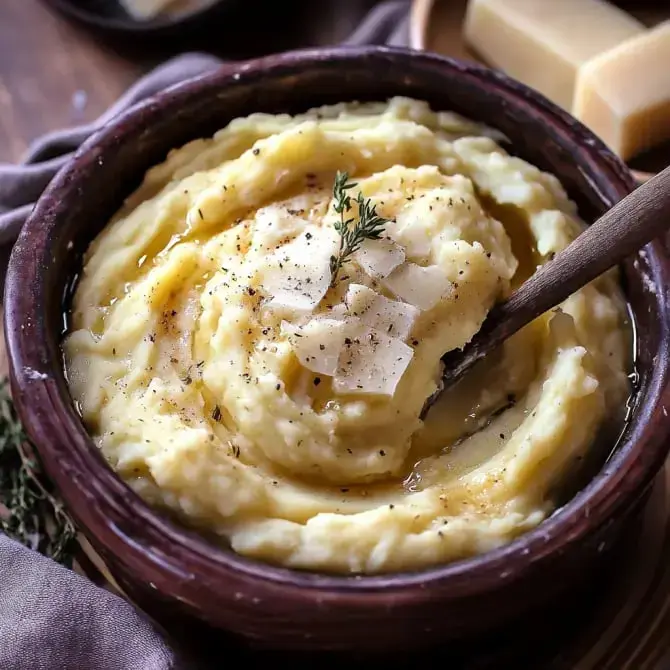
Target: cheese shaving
pixel 420 286
pixel 371 363
pixel 379 257
pixel 338 312
pixel 392 317
pixel 416 240
pixel 318 344
pixel 297 275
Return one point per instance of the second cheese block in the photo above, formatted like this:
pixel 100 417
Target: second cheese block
pixel 543 43
pixel 623 95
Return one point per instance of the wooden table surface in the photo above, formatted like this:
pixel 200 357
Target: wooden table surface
pixel 55 73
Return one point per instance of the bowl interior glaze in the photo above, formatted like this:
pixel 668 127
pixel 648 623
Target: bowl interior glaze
pixel 301 608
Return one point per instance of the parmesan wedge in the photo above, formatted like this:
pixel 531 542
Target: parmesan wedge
pixel 392 317
pixel 318 344
pixel 379 257
pixel 420 286
pixel 371 362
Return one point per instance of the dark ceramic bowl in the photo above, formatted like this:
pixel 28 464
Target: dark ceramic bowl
pixel 108 16
pixel 160 562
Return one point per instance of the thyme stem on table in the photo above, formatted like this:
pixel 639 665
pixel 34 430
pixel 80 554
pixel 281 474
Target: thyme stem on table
pixel 369 226
pixel 29 512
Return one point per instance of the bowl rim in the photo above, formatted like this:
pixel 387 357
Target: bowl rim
pixel 33 374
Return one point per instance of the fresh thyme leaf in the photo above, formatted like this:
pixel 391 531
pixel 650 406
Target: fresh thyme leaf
pixel 369 226
pixel 29 512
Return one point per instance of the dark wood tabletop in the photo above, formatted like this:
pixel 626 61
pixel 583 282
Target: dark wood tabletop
pixel 55 72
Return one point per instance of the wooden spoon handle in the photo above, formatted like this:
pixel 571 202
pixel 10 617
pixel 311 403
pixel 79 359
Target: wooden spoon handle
pixel 636 220
pixel 639 218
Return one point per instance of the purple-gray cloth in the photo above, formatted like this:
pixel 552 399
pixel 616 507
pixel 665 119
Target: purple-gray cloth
pixel 50 617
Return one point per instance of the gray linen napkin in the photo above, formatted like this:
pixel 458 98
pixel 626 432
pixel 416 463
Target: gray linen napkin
pixel 53 619
pixel 50 617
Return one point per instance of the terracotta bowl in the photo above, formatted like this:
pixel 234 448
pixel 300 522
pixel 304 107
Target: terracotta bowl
pixel 164 563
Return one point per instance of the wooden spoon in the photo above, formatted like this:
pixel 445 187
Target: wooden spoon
pixel 636 220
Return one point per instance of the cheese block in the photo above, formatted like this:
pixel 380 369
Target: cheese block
pixel 543 43
pixel 623 95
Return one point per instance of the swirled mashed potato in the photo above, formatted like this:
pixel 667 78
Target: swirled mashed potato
pixel 229 375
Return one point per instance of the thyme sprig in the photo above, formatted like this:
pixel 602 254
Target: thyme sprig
pixel 369 226
pixel 29 512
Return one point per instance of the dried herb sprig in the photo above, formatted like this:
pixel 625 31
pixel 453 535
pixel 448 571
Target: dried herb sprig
pixel 29 512
pixel 369 226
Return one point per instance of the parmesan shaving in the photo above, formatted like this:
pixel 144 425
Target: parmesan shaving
pixel 420 286
pixel 318 344
pixel 371 362
pixel 338 312
pixel 392 317
pixel 379 257
pixel 297 275
pixel 416 239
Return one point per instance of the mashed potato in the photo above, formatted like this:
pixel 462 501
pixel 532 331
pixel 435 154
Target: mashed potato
pixel 232 373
